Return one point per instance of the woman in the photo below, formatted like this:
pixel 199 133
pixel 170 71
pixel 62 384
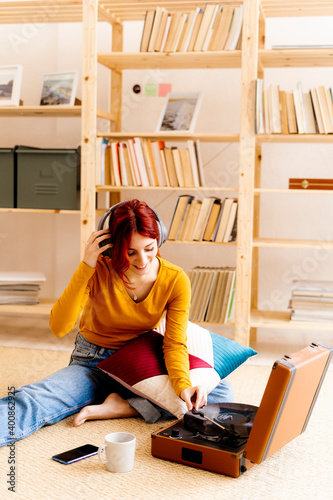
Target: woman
pixel 118 298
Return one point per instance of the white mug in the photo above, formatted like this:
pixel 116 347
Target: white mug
pixel 118 451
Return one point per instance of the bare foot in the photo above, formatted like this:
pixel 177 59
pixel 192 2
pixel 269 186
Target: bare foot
pixel 114 406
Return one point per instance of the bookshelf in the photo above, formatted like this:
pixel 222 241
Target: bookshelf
pixel 252 60
pixel 51 11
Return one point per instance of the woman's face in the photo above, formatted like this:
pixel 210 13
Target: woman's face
pixel 141 253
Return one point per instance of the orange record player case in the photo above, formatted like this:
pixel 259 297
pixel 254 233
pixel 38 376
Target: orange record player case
pixel 283 414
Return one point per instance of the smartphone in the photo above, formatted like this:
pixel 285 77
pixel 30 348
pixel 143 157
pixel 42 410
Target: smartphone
pixel 70 456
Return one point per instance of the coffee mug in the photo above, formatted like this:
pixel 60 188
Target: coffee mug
pixel 118 451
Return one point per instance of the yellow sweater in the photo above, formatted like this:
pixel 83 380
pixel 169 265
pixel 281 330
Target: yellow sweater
pixel 110 318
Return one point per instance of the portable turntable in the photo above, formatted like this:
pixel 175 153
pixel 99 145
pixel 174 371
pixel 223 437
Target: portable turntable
pixel 230 438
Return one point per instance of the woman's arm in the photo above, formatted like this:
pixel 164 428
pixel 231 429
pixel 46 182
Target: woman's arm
pixel 67 309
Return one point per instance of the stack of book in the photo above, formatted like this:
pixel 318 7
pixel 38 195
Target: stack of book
pixel 216 27
pixel 142 162
pixel 296 112
pixel 211 219
pixel 312 301
pixel 20 287
pixel 213 294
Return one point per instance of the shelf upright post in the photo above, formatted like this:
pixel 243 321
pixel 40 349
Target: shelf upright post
pixel 89 119
pixel 247 160
pixel 116 94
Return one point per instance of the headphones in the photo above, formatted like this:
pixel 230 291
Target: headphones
pixel 162 230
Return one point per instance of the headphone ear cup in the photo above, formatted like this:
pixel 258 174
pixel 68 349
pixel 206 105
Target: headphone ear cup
pixel 109 251
pixel 163 232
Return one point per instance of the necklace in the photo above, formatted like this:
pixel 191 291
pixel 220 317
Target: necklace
pixel 135 297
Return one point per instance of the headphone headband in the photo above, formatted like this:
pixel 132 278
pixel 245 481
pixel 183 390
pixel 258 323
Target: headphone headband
pixel 162 230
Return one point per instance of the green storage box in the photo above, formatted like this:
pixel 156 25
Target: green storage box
pixel 48 178
pixel 7 178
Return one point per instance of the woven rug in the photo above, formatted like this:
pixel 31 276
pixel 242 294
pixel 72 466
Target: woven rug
pixel 301 470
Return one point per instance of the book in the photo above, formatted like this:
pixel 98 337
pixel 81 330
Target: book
pixel 195 30
pixel 166 32
pixel 185 161
pixel 199 163
pixel 299 111
pixel 149 159
pixel 212 220
pixel 317 111
pixel 209 317
pixel 215 29
pixel 267 112
pixel 179 32
pixel 134 163
pixel 205 293
pixel 309 114
pixel 259 121
pixel 170 167
pixel 155 149
pixel 114 159
pixel 206 207
pixel 325 113
pixel 223 28
pixel 191 20
pixel 291 113
pixel 235 28
pixel 204 26
pixel 148 24
pixel 284 113
pixel 227 291
pixel 173 31
pixel 140 161
pixel 211 27
pixel 225 213
pixel 178 166
pixel 178 215
pixel 231 221
pixel 161 31
pixel 194 163
pixel 276 109
pixel 155 28
pixel 184 225
pixel 192 220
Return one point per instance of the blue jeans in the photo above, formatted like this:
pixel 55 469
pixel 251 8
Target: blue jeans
pixel 69 390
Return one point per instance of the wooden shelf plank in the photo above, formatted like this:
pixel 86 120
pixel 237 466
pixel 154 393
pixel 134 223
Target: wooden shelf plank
pixel 296 8
pixel 295 138
pixel 39 210
pixel 170 136
pixel 43 308
pixel 292 191
pixel 43 111
pixel 291 243
pixel 281 320
pixel 101 189
pixel 171 60
pixel 296 58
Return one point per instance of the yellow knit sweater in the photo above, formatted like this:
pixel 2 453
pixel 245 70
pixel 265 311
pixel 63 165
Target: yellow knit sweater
pixel 110 318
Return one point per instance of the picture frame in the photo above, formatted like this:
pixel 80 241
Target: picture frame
pixel 180 112
pixel 10 85
pixel 59 89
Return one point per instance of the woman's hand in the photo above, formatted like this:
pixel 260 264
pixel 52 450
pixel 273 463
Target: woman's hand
pixel 92 249
pixel 194 397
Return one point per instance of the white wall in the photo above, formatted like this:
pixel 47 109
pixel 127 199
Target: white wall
pixel 49 242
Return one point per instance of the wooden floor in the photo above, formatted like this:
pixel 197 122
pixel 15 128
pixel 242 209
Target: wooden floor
pixel 34 332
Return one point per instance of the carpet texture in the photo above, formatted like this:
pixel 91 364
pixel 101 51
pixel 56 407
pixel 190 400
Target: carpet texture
pixel 301 470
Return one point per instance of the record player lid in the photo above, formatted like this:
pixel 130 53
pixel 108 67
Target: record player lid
pixel 288 400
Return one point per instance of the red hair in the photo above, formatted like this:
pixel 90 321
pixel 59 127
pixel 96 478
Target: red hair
pixel 130 217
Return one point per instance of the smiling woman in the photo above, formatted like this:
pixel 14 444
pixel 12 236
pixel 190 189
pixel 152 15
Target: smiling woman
pixel 122 289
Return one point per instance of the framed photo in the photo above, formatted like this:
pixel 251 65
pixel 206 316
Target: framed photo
pixel 180 112
pixel 59 89
pixel 10 85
